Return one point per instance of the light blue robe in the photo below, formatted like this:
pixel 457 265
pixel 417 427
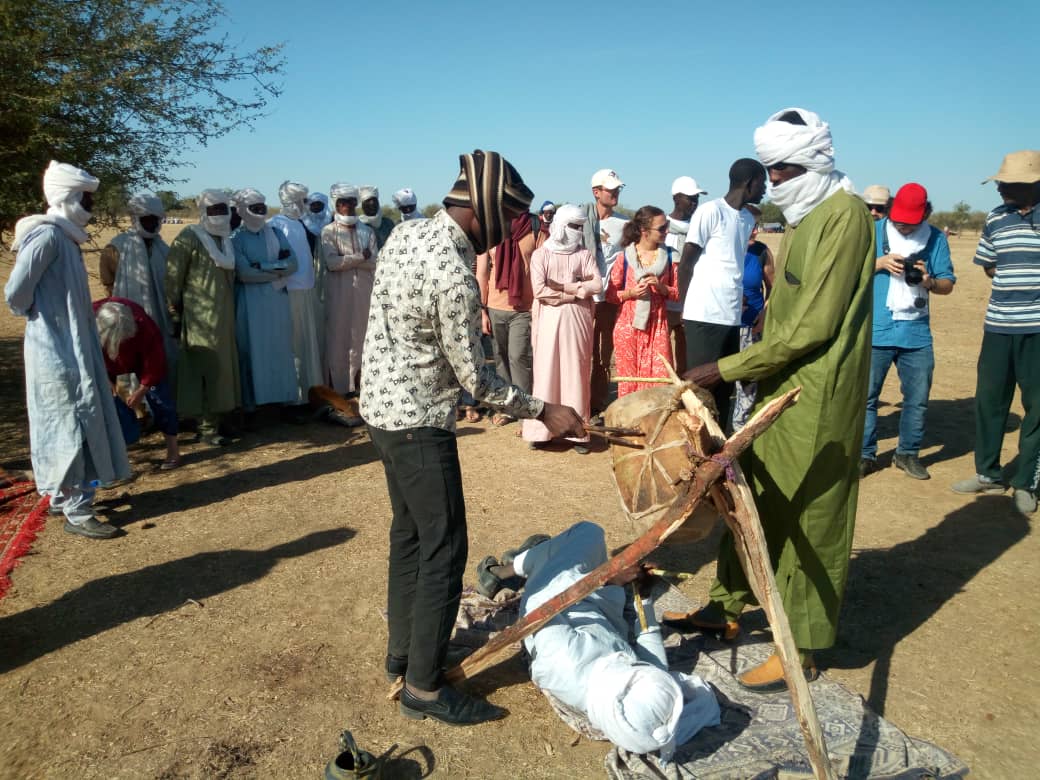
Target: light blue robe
pixel 74 433
pixel 263 321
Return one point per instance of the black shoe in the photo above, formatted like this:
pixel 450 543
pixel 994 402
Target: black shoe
pixel 488 583
pixel 92 529
pixel 531 541
pixel 867 466
pixel 395 667
pixel 451 707
pixel 911 465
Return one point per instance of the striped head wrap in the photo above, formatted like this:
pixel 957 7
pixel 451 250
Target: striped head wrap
pixel 489 185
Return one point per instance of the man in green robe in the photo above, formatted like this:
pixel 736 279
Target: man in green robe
pixel 803 470
pixel 200 294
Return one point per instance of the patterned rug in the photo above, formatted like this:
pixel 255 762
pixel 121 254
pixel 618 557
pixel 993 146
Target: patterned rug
pixel 22 515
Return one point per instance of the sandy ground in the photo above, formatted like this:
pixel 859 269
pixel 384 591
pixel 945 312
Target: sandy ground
pixel 236 628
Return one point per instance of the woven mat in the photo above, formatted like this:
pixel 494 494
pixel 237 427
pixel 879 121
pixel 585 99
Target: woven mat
pixel 22 515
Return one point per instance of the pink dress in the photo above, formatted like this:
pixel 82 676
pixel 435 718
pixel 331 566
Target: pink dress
pixel 636 351
pixel 561 332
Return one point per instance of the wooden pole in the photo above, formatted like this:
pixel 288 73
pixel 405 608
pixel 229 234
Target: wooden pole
pixel 646 380
pixel 741 516
pixel 690 494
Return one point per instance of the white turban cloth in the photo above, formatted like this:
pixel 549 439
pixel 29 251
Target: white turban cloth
pixel 404 197
pixel 293 197
pixel 635 704
pixel 563 239
pixel 368 191
pixel 810 146
pixel 63 185
pixel 219 224
pixel 316 221
pixel 144 204
pixel 243 199
pixel 343 190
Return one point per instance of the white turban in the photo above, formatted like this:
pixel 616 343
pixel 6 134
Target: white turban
pixel 636 705
pixel 315 221
pixel 368 191
pixel 292 195
pixel 145 204
pixel 218 224
pixel 343 190
pixel 62 186
pixel 562 239
pixel 809 146
pixel 404 197
pixel 61 180
pixel 243 199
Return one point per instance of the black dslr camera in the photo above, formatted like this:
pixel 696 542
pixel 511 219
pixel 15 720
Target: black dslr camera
pixel 911 273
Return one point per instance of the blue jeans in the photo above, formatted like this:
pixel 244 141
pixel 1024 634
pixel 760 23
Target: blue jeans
pixel 915 377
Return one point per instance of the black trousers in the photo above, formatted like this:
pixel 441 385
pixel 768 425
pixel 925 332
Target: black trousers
pixel 707 342
pixel 428 546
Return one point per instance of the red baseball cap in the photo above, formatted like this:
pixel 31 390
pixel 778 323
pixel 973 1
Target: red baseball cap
pixel 910 204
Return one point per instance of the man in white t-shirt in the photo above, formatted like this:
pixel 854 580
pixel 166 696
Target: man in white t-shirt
pixel 711 273
pixel 686 194
pixel 603 238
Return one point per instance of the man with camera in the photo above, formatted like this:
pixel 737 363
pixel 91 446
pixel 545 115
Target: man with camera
pixel 913 262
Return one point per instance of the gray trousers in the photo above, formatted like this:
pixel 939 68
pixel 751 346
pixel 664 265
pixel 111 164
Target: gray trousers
pixel 511 331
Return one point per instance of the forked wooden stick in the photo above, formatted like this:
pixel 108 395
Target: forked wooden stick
pixel 742 518
pixel 690 495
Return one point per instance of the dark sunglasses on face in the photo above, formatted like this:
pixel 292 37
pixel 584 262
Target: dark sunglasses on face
pixel 780 166
pixel 877 208
pixel 660 229
pixel 407 209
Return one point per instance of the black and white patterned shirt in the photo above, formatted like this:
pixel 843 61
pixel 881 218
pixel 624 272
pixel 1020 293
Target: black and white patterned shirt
pixel 423 340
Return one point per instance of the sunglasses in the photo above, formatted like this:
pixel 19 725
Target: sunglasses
pixel 875 207
pixel 661 229
pixel 780 166
pixel 407 209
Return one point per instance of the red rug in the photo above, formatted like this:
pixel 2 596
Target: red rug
pixel 22 515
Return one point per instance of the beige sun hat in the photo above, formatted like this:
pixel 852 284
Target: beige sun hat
pixel 877 195
pixel 1018 168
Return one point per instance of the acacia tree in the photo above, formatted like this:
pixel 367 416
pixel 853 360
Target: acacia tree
pixel 119 87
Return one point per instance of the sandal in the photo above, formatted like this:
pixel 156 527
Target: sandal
pixel 500 419
pixel 170 464
pixel 473 414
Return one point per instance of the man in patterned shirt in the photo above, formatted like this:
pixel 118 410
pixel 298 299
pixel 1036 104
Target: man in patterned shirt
pixel 1009 252
pixel 422 348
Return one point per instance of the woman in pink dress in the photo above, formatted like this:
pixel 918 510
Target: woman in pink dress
pixel 642 280
pixel 564 278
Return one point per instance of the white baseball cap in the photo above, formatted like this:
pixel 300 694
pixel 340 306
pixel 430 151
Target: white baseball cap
pixel 687 185
pixel 607 179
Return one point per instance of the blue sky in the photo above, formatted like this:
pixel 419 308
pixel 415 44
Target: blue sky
pixel 390 93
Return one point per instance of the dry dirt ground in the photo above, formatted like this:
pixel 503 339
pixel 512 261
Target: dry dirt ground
pixel 236 628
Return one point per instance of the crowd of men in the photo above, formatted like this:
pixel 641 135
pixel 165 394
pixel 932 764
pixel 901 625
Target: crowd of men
pixel 255 311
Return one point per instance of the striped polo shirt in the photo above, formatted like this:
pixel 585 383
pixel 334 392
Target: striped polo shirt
pixel 1010 243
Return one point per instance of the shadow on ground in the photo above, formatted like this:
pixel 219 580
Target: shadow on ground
pixel 892 592
pixel 108 602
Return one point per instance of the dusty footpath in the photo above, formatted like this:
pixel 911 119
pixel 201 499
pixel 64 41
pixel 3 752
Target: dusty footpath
pixel 236 628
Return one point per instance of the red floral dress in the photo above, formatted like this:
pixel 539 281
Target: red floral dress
pixel 636 351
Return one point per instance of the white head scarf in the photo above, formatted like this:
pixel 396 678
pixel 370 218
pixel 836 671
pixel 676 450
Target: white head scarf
pixel 144 204
pixel 405 197
pixel 808 145
pixel 315 221
pixel 367 191
pixel 243 199
pixel 563 239
pixel 219 224
pixel 343 190
pixel 63 186
pixel 636 705
pixel 293 196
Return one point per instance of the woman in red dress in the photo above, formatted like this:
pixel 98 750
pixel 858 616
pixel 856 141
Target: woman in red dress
pixel 642 280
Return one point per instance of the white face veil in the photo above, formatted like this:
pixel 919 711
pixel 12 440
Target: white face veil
pixel 564 239
pixel 343 190
pixel 245 198
pixel 145 204
pixel 218 224
pixel 293 197
pixel 406 197
pixel 316 220
pixel 63 186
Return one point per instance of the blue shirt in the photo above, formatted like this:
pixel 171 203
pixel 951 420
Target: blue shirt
pixel 907 334
pixel 754 299
pixel 1010 242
